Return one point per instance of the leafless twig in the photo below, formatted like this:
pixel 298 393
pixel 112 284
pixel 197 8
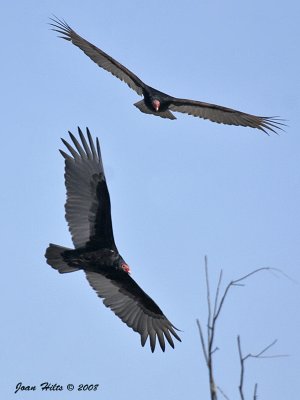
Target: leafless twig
pixel 250 355
pixel 255 392
pixel 213 314
pixel 222 393
pixel 202 341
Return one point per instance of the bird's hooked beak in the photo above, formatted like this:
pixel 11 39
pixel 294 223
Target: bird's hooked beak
pixel 156 104
pixel 126 268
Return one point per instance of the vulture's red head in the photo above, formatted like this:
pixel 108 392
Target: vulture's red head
pixel 126 268
pixel 156 104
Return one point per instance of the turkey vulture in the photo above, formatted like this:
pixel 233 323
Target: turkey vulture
pixel 89 219
pixel 159 103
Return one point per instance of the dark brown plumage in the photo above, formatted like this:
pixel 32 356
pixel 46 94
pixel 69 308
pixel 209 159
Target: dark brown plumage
pixel 88 214
pixel 159 103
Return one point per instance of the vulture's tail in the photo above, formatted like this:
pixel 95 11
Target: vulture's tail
pixel 55 259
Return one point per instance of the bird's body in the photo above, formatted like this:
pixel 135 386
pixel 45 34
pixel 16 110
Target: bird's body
pixel 88 213
pixel 93 260
pixel 156 103
pixel 161 104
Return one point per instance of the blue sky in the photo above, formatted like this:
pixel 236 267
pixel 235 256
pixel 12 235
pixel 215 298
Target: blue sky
pixel 180 190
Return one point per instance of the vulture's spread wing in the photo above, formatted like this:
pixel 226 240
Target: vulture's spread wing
pixel 130 303
pixel 88 203
pixel 224 115
pixel 98 56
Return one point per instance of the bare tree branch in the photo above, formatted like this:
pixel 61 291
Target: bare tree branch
pixel 202 341
pixel 223 394
pixel 210 339
pixel 255 392
pixel 213 314
pixel 217 292
pixel 236 283
pixel 284 274
pixel 258 355
pixel 250 355
pixel 241 389
pixel 208 301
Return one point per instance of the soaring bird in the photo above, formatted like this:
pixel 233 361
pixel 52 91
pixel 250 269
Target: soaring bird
pixel 159 103
pixel 88 214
